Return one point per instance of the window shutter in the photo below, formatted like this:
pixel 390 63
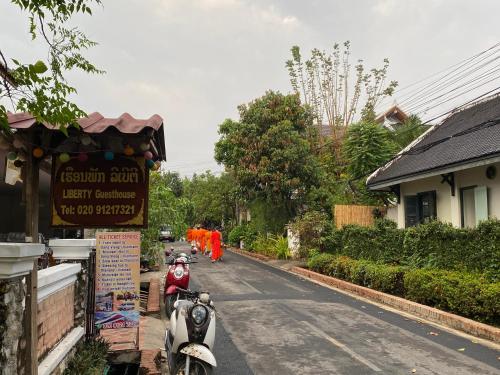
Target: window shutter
pixel 481 203
pixel 427 205
pixel 411 211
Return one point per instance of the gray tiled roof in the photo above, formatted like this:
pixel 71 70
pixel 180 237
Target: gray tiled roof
pixel 445 147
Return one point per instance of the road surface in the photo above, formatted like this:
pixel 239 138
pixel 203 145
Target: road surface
pixel 272 322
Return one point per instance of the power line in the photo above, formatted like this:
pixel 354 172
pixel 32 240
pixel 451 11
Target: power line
pixel 457 66
pixel 430 90
pixel 479 81
pixel 456 96
pixel 493 92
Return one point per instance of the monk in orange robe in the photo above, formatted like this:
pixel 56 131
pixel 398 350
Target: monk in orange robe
pixel 216 239
pixel 203 240
pixel 208 241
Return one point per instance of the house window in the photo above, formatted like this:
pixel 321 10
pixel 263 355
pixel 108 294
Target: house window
pixel 474 205
pixel 420 208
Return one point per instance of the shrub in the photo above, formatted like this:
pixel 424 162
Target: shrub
pixel 468 294
pixel 236 235
pixel 382 243
pixel 319 262
pixel 280 247
pixel 262 244
pixel 463 293
pixel 429 245
pixel 90 358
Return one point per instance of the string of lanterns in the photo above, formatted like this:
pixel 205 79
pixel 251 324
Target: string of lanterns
pixel 86 140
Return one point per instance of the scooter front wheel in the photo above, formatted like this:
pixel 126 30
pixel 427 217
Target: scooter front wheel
pixel 196 367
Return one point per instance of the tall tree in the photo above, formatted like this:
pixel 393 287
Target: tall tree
pixel 367 147
pixel 40 86
pixel 268 150
pixel 214 199
pixel 411 129
pixel 327 82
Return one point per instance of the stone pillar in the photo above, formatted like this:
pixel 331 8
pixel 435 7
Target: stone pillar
pixel 16 261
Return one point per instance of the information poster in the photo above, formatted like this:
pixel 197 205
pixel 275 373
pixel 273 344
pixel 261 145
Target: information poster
pixel 117 279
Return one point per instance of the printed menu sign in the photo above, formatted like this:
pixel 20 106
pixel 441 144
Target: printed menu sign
pixel 117 289
pixel 99 193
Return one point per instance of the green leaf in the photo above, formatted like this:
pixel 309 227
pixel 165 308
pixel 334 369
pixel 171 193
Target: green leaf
pixel 40 67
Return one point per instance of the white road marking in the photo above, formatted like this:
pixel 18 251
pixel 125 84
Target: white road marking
pixel 250 286
pixel 338 344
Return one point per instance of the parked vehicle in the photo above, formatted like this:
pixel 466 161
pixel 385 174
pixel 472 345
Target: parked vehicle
pixel 190 338
pixel 177 276
pixel 166 234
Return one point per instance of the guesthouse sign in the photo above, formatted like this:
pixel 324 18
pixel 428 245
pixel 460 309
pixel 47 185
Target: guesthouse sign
pixel 99 193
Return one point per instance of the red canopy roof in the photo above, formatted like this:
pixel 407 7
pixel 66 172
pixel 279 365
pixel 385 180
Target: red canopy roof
pixel 95 123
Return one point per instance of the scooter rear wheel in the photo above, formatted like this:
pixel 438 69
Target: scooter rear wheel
pixel 195 368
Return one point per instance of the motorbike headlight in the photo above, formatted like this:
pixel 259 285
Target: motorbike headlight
pixel 179 272
pixel 199 314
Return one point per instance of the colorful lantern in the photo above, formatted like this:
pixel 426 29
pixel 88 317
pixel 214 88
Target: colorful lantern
pixel 128 150
pixel 144 146
pixel 64 157
pixel 12 155
pixel 150 163
pixel 86 140
pixel 157 166
pixel 109 155
pixel 148 155
pixel 17 143
pixel 37 152
pixel 83 157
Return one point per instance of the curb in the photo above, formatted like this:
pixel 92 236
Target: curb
pixel 431 314
pixel 153 304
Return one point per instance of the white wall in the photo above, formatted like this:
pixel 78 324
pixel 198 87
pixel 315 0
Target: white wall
pixel 448 207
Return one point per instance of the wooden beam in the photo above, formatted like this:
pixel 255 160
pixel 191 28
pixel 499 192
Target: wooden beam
pixel 31 321
pixel 30 185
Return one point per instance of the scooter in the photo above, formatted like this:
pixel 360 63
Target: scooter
pixel 177 276
pixel 189 340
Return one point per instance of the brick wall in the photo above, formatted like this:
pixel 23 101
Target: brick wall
pixel 55 318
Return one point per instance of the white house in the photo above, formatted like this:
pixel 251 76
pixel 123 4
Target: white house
pixel 451 172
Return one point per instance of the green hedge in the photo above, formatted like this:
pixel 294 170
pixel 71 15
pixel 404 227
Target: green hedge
pixel 434 245
pixel 467 294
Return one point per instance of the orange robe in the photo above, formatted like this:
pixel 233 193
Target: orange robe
pixel 203 240
pixel 208 240
pixel 216 240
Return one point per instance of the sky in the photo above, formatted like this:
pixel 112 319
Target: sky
pixel 194 61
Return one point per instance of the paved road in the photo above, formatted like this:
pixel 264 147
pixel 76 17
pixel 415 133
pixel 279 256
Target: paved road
pixel 272 322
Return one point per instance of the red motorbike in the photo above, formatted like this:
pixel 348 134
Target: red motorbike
pixel 177 276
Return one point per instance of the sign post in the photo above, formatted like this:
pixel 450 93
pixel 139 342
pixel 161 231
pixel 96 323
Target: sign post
pixel 117 279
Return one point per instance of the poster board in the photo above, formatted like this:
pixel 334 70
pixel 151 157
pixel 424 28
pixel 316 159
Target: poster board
pixel 99 193
pixel 117 285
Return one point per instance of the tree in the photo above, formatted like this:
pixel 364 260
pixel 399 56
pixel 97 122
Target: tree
pixel 174 182
pixel 327 83
pixel 268 150
pixel 40 87
pixel 367 146
pixel 164 209
pixel 411 129
pixel 214 199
